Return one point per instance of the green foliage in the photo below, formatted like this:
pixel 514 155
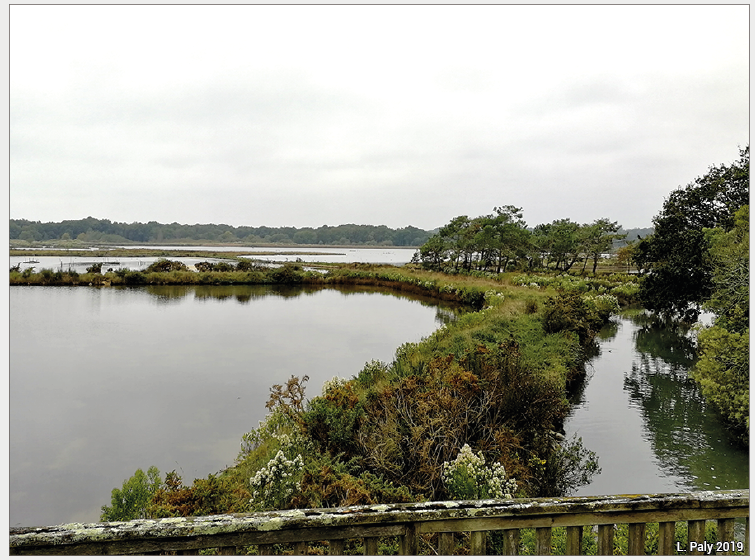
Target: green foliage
pixel 729 256
pixel 723 368
pixel 569 312
pixel 568 466
pixel 679 272
pixel 723 372
pixel 132 500
pixel 332 420
pixel 289 273
pixel 100 230
pixel 165 265
pixel 213 495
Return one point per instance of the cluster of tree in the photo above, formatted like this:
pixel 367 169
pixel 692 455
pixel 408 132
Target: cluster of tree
pixel 698 259
pixel 501 240
pixel 104 231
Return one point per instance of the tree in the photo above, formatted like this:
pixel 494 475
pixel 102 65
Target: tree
pixel 598 239
pixel 132 500
pixel 723 368
pixel 675 257
pixel 561 239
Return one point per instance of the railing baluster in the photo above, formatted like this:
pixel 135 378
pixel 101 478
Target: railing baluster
pixel 336 546
pixel 370 546
pixel 747 536
pixel 696 534
pixel 726 535
pixel 605 540
pixel 636 545
pixel 666 531
pixel 300 549
pixel 265 550
pixel 445 544
pixel 477 543
pixel 574 541
pixel 543 541
pixel 409 541
pixel 511 542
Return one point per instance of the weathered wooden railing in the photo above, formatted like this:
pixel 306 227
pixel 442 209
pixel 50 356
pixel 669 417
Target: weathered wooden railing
pixel 235 532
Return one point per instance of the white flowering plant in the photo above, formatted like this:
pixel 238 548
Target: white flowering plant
pixel 468 477
pixel 273 485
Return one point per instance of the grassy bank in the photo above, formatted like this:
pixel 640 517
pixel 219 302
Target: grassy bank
pixel 473 410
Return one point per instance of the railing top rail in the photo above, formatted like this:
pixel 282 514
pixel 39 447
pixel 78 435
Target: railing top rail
pixel 388 514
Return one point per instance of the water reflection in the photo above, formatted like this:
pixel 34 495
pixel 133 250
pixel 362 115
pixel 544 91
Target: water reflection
pixel 245 293
pixel 645 417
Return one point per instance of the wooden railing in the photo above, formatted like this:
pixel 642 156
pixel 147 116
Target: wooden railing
pixel 472 520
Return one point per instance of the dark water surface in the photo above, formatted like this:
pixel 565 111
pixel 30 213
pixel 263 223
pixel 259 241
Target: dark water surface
pixel 106 381
pixel 646 419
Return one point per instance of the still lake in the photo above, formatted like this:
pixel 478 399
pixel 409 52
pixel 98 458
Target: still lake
pixel 104 381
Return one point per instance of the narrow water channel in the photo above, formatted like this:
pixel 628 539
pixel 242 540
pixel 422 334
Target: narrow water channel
pixel 646 419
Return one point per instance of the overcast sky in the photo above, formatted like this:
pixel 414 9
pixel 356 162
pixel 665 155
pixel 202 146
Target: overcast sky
pixel 396 115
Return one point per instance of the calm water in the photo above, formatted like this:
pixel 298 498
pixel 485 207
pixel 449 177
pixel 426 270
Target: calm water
pixel 646 419
pixel 106 381
pixel 387 255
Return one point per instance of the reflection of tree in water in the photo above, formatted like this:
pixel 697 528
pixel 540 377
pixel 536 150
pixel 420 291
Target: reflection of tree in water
pixel 446 312
pixel 576 388
pixel 686 437
pixel 668 342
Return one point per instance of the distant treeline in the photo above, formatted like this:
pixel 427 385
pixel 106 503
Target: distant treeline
pixel 93 230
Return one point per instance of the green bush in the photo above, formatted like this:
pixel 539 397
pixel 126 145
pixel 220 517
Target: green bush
pixel 133 499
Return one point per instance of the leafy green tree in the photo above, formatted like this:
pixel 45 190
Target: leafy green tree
pixel 679 273
pixel 729 258
pixel 723 372
pixel 133 499
pixel 723 368
pixel 598 239
pixel 562 241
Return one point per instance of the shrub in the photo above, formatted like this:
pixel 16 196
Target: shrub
pixel 289 273
pixel 165 265
pixel 468 478
pixel 273 485
pixel 132 500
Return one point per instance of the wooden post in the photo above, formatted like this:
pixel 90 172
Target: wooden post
pixel 666 532
pixel 574 541
pixel 511 542
pixel 747 536
pixel 409 541
pixel 265 550
pixel 695 534
pixel 605 540
pixel 543 541
pixel 636 546
pixel 477 543
pixel 300 549
pixel 370 546
pixel 726 535
pixel 227 551
pixel 445 544
pixel 336 547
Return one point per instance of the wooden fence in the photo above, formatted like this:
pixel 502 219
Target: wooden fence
pixel 471 520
